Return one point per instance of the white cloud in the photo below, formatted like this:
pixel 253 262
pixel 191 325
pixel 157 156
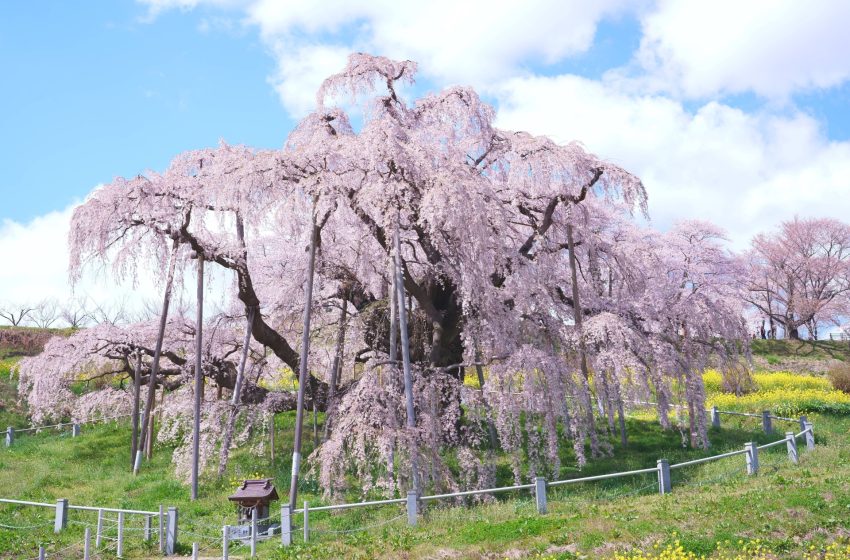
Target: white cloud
pixel 301 71
pixel 745 172
pixel 771 47
pixel 40 250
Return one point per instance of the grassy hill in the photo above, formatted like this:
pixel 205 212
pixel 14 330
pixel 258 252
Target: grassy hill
pixel 783 511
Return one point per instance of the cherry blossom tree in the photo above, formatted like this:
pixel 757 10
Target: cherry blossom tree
pixel 799 276
pixel 514 253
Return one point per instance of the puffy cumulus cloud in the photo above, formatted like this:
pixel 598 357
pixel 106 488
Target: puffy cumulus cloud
pixel 300 72
pixel 771 47
pixel 745 172
pixel 473 42
pixel 36 257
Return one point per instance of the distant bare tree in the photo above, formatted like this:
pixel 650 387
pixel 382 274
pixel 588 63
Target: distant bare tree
pixel 113 313
pixel 75 312
pixel 16 313
pixel 45 313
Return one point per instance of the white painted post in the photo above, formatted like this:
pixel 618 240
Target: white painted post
pixel 285 525
pixel 225 542
pixel 766 422
pixel 171 534
pixel 791 443
pixel 540 494
pixel 412 498
pixel 254 532
pixel 40 552
pixel 752 456
pixel 75 430
pixel 87 544
pixel 194 551
pixel 61 520
pixel 148 529
pixel 803 420
pixel 161 530
pixel 810 436
pixel 715 417
pixel 665 486
pixel 10 436
pixel 99 538
pixel 120 544
pixel 306 522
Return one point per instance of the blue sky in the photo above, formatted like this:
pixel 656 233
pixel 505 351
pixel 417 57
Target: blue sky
pixel 732 112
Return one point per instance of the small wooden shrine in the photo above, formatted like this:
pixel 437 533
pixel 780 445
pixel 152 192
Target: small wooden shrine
pixel 254 493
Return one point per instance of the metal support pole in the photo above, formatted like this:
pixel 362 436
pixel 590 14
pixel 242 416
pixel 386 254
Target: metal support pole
pixel 194 551
pixel 254 532
pixel 87 544
pixel 766 422
pixel 752 456
pixel 810 436
pixel 75 430
pixel 99 538
pixel 199 378
pixel 715 417
pixel 225 542
pixel 285 525
pixel 120 543
pixel 540 494
pixel 161 530
pixel 61 520
pixel 10 436
pixel 171 535
pixel 791 442
pixel 306 522
pixel 412 499
pixel 665 485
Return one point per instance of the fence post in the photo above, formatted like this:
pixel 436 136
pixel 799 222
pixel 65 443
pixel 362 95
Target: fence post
pixel 810 436
pixel 75 430
pixel 40 552
pixel 766 422
pixel 306 522
pixel 254 532
pixel 171 534
pixel 791 443
pixel 120 543
pixel 803 420
pixel 412 498
pixel 194 551
pixel 540 494
pixel 161 519
pixel 87 544
pixel 665 486
pixel 99 538
pixel 715 417
pixel 148 530
pixel 285 525
pixel 61 519
pixel 752 456
pixel 10 436
pixel 225 542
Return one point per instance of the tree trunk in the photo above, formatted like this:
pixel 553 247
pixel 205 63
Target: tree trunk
pixel 163 319
pixel 302 364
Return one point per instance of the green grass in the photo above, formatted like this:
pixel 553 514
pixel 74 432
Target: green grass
pixel 785 506
pixel 774 351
